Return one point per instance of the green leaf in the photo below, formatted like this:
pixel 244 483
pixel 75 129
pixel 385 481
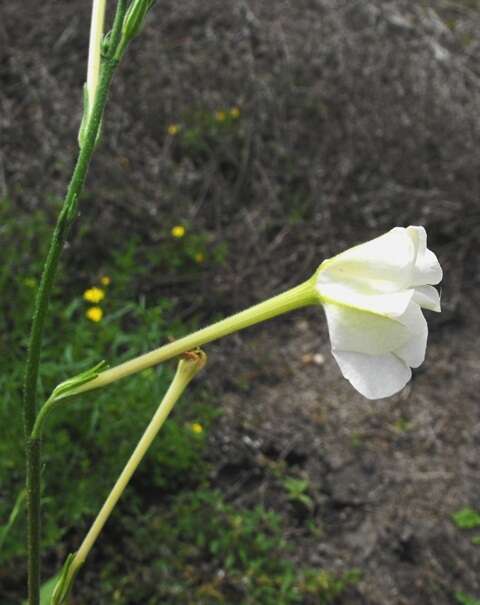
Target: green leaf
pixel 63 583
pixel 17 509
pixel 466 518
pixel 65 388
pixel 464 599
pixel 46 592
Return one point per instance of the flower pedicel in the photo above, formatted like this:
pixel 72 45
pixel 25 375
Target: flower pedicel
pixel 373 295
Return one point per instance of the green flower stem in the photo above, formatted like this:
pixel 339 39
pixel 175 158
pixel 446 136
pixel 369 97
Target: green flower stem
pixel 300 296
pixel 33 512
pixel 186 370
pixel 65 219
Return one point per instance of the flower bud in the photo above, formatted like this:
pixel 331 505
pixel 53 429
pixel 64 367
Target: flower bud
pixel 134 18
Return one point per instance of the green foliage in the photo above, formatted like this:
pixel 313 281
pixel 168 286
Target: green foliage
pixel 297 490
pixel 17 509
pixel 185 544
pixel 203 135
pixel 402 425
pixel 88 438
pixel 206 551
pixel 464 599
pixel 466 518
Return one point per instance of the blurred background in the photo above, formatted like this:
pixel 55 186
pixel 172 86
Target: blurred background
pixel 244 142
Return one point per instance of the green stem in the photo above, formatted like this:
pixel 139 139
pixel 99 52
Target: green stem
pixel 300 296
pixel 187 369
pixel 33 503
pixel 65 219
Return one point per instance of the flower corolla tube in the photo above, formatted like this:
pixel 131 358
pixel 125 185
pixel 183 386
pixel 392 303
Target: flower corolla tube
pixel 373 295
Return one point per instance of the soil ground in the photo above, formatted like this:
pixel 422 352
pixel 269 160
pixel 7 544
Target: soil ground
pixel 385 476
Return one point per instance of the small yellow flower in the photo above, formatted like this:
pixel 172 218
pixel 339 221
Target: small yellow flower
pixel 173 129
pixel 178 231
pixel 94 295
pixel 199 257
pixel 220 116
pixel 196 428
pixel 235 113
pixel 105 280
pixel 94 314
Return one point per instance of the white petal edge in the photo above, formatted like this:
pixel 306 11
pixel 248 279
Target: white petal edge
pixel 390 305
pixel 413 351
pixel 373 376
pixel 427 269
pixel 427 297
pixel 383 264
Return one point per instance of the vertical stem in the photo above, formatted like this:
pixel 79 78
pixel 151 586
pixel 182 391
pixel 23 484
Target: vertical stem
pixel 65 219
pixel 33 499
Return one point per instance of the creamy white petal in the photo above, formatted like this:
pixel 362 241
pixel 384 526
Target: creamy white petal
pixel 426 269
pixel 354 330
pixel 374 376
pixel 383 264
pixel 413 351
pixel 391 305
pixel 427 297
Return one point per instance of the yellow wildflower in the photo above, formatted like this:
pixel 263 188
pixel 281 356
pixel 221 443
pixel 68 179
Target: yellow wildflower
pixel 199 257
pixel 173 129
pixel 178 231
pixel 94 314
pixel 105 280
pixel 196 428
pixel 220 116
pixel 235 113
pixel 94 295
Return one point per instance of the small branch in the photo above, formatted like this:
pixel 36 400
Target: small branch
pixel 188 368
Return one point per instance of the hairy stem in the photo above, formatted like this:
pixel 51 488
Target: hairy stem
pixel 33 504
pixel 64 221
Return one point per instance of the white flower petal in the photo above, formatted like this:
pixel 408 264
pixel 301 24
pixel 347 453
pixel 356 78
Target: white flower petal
pixel 427 297
pixel 413 351
pixel 383 264
pixel 354 330
pixel 391 305
pixel 374 376
pixel 427 269
pixel 373 296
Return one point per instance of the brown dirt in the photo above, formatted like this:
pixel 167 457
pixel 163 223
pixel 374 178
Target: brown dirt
pixel 385 475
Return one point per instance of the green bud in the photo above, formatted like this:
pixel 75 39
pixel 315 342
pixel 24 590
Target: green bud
pixel 134 18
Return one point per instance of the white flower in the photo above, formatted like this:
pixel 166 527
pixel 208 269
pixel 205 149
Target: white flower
pixel 373 296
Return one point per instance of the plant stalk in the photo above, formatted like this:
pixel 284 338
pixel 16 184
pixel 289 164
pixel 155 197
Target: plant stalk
pixel 300 296
pixel 64 221
pixel 186 370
